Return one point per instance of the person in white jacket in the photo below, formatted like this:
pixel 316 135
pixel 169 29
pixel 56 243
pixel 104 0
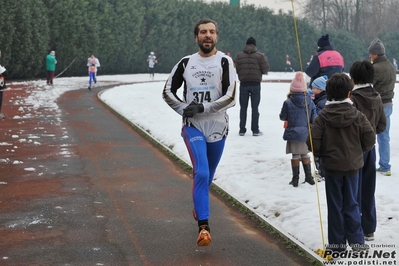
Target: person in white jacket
pixel 152 60
pixel 92 63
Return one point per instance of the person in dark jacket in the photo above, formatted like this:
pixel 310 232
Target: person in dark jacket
pixel 297 112
pixel 327 61
pixel 319 99
pixel 384 84
pixel 340 122
pixel 367 100
pixel 319 92
pixel 250 65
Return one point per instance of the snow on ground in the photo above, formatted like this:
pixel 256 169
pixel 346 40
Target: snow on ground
pixel 254 170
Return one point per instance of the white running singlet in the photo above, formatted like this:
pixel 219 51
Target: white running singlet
pixel 207 80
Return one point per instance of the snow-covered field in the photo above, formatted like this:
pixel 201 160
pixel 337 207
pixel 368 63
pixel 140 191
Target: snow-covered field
pixel 254 170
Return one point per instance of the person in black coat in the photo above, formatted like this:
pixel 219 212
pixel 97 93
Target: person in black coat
pixel 250 65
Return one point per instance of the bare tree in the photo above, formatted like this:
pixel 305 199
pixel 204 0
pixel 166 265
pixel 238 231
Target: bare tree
pixel 315 12
pixel 356 17
pixel 364 18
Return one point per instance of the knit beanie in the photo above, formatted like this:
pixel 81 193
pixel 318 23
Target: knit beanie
pixel 324 41
pixel 251 40
pixel 376 47
pixel 298 84
pixel 320 83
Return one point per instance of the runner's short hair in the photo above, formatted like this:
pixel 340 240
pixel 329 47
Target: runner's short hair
pixel 204 21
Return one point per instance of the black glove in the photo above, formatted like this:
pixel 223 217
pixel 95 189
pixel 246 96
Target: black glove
pixel 192 109
pixel 93 64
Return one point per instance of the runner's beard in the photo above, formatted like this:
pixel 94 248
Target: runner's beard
pixel 206 50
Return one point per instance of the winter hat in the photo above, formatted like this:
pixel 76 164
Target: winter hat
pixel 251 40
pixel 298 84
pixel 376 47
pixel 324 41
pixel 320 83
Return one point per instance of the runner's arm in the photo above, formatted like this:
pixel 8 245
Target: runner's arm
pixel 228 87
pixel 174 82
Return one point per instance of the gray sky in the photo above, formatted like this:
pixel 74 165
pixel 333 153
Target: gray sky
pixel 285 5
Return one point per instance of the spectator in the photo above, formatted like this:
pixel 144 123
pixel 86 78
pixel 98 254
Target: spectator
pixel 250 65
pixel 340 122
pixel 384 83
pixel 297 111
pixel 319 90
pixel 326 62
pixel 319 99
pixel 209 79
pixel 50 67
pixel 368 101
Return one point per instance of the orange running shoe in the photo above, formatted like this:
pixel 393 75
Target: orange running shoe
pixel 204 237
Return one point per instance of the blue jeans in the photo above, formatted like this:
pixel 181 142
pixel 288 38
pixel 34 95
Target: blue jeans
pixel 247 92
pixel 383 139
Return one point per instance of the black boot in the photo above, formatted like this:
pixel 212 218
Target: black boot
pixel 295 172
pixel 308 171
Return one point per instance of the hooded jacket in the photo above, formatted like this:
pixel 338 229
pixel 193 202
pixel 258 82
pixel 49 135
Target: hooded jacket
pixel 384 78
pixel 295 113
pixel 251 65
pixel 320 101
pixel 368 101
pixel 340 136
